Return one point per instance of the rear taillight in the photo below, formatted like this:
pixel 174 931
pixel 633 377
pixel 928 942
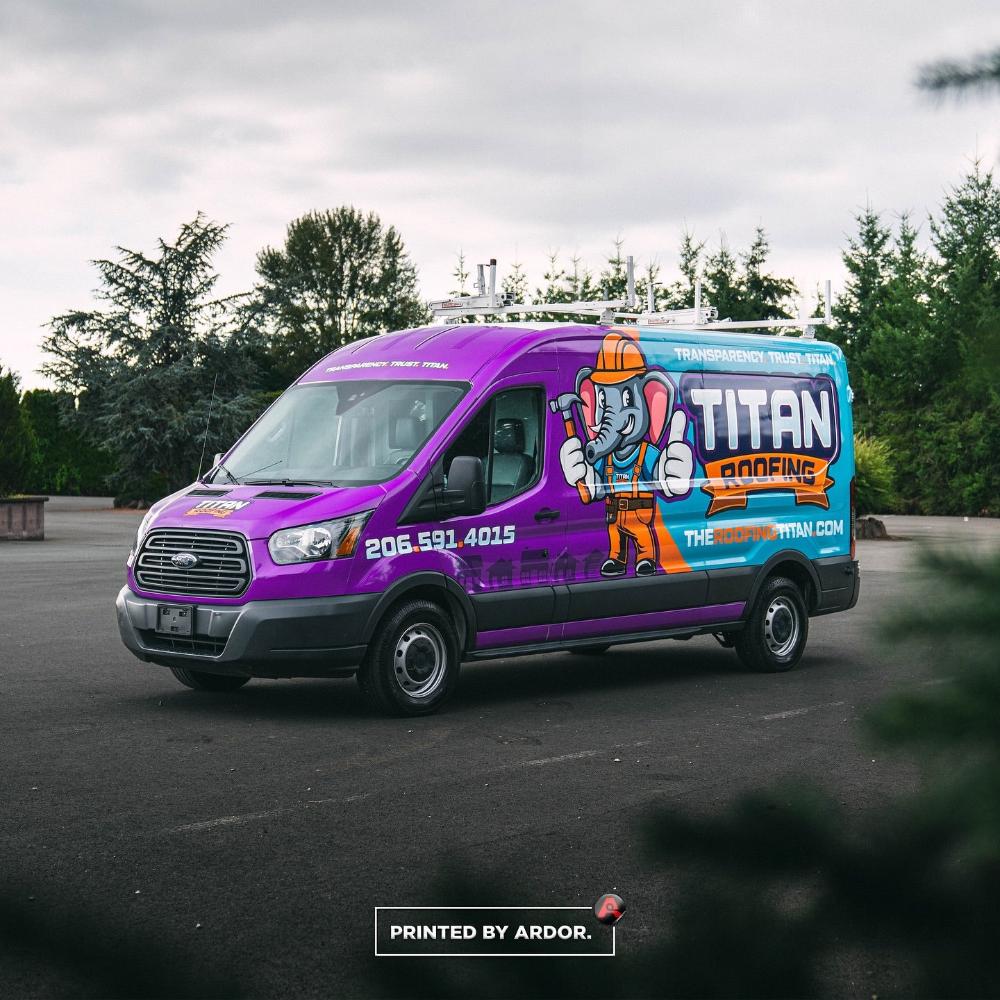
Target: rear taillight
pixel 854 514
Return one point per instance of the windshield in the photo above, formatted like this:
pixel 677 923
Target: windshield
pixel 340 433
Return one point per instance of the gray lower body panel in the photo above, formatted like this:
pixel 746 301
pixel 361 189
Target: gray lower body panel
pixel 310 637
pixel 840 584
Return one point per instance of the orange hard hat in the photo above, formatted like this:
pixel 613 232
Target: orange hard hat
pixel 620 359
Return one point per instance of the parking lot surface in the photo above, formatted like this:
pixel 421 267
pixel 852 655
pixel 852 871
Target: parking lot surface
pixel 250 835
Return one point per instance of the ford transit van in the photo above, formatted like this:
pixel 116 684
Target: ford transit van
pixel 465 492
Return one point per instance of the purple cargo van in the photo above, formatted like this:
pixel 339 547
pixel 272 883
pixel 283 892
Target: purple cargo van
pixel 464 492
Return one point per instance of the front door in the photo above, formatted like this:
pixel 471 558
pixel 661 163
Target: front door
pixel 506 558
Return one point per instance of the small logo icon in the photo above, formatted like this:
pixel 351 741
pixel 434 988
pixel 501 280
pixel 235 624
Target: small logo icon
pixel 610 908
pixel 184 560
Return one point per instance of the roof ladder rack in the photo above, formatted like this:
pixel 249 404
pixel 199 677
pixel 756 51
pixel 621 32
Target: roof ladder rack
pixel 488 302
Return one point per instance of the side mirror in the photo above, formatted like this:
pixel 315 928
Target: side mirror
pixel 466 493
pixel 219 456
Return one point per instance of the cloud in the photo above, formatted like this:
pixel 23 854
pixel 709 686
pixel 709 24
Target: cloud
pixel 507 129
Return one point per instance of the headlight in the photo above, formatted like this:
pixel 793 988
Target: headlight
pixel 141 533
pixel 311 542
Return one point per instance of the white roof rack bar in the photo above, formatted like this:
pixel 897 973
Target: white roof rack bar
pixel 488 302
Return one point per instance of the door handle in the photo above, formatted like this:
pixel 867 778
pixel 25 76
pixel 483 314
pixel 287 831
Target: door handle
pixel 546 514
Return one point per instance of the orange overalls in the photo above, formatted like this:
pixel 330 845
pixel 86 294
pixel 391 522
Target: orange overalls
pixel 629 516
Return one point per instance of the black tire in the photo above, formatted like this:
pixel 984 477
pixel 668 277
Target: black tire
pixel 776 631
pixel 413 660
pixel 599 650
pixel 202 681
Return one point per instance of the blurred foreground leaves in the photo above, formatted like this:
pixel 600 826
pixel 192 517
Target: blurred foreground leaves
pixel 784 891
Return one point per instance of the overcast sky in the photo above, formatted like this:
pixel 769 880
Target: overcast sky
pixel 506 129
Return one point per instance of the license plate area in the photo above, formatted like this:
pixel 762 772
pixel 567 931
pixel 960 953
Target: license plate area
pixel 175 619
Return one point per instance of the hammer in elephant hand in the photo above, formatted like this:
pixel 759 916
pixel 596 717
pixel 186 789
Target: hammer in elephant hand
pixel 564 403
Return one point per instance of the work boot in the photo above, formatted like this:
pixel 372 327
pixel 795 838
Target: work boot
pixel 645 567
pixel 613 567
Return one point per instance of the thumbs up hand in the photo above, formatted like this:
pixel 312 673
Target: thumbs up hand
pixel 676 463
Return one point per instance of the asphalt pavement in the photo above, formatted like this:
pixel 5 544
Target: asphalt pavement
pixel 247 837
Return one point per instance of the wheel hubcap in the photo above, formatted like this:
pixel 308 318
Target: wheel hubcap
pixel 419 660
pixel 781 626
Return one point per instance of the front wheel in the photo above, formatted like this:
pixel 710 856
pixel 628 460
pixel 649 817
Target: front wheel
pixel 776 631
pixel 202 681
pixel 413 661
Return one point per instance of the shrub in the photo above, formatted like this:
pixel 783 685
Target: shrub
pixel 873 475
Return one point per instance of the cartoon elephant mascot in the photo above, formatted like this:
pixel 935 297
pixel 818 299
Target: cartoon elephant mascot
pixel 625 409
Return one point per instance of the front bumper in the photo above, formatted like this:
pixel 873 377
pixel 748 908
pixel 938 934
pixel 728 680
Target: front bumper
pixel 311 637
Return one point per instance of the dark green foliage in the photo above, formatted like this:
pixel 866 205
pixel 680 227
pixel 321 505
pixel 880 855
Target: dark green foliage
pixel 680 295
pixel 922 338
pixel 737 284
pixel 772 896
pixel 17 444
pixel 920 876
pixel 65 461
pixel 340 276
pixel 148 363
pixel 982 72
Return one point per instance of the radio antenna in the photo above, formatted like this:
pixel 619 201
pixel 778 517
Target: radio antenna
pixel 208 424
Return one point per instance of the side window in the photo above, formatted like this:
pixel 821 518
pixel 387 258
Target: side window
pixel 507 435
pixel 516 443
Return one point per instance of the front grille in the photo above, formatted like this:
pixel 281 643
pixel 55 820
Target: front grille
pixel 223 568
pixel 195 646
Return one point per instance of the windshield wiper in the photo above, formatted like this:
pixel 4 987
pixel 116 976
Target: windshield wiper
pixel 232 478
pixel 287 482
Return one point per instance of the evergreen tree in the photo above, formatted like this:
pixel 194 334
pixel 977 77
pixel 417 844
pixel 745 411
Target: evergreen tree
pixel 959 430
pixel 966 239
pixel 581 282
pixel 515 282
pixel 765 296
pixel 868 263
pixel 16 440
pixel 460 274
pixel 340 276
pixel 148 363
pixel 557 284
pixel 680 295
pixel 723 286
pixel 651 277
pixel 613 278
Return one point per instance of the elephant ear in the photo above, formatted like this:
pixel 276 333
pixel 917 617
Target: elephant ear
pixel 658 394
pixel 588 394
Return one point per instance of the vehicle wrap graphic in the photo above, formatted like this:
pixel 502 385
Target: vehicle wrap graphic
pixel 625 408
pixel 763 432
pixel 218 508
pixel 705 456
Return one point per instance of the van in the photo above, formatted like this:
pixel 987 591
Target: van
pixel 467 492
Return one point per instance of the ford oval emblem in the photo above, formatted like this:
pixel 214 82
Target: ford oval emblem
pixel 184 560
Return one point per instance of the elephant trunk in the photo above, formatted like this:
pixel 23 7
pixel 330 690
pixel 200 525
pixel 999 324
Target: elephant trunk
pixel 604 443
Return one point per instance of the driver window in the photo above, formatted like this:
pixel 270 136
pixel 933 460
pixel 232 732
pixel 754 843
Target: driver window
pixel 506 434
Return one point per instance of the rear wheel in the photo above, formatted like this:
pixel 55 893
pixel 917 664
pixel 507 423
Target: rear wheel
pixel 412 663
pixel 202 681
pixel 598 650
pixel 776 631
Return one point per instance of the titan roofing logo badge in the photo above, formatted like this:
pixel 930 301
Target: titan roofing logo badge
pixel 218 508
pixel 763 432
